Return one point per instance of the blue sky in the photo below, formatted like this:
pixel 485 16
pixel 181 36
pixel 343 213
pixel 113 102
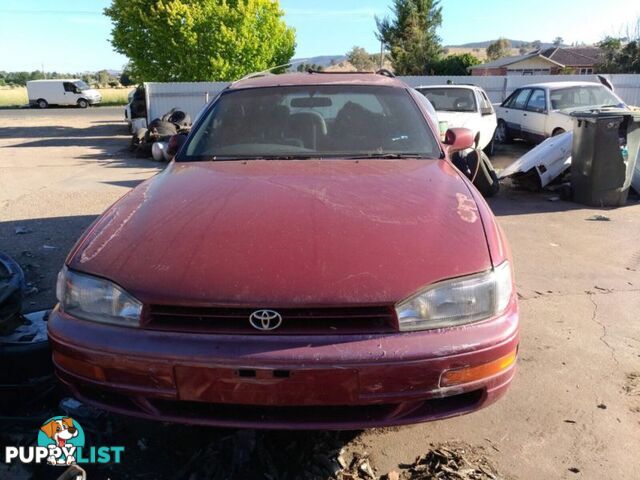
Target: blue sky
pixel 73 36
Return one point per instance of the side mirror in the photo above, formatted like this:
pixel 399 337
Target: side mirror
pixel 486 111
pixel 457 139
pixel 174 145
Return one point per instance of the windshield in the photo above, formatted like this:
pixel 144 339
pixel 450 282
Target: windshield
pixel 451 99
pixel 577 97
pixel 312 121
pixel 81 85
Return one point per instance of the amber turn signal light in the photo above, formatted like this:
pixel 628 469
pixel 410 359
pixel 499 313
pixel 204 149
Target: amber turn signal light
pixel 478 372
pixel 78 367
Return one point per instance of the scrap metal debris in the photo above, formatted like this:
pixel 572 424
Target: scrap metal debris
pixel 632 385
pixel 598 218
pixel 449 461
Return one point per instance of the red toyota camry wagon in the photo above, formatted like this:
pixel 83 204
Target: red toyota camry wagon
pixel 310 259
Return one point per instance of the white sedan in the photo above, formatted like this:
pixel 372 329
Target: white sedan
pixel 538 111
pixel 466 106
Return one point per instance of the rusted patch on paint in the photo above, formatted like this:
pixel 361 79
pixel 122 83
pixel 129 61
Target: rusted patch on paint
pixel 467 208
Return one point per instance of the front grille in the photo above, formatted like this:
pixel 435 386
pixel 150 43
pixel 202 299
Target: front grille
pixel 295 321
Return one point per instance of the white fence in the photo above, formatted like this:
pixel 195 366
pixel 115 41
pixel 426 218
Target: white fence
pixel 626 86
pixel 192 97
pixel 189 97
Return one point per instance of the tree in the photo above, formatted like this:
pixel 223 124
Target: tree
pixel 524 48
pixel 411 35
pixel 360 59
pixel 498 49
pixel 536 44
pixel 619 57
pixel 196 40
pixel 103 77
pixel 126 79
pixel 305 67
pixel 456 64
pixel 558 41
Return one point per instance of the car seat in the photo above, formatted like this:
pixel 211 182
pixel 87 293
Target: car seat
pixel 462 103
pixel 308 127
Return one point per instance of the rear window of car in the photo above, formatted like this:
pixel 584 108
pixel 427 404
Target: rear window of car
pixel 451 99
pixel 312 121
pixel 583 96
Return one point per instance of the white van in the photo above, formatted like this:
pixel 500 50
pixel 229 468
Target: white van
pixel 43 93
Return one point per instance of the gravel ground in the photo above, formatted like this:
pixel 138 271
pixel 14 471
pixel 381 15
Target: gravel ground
pixel 572 412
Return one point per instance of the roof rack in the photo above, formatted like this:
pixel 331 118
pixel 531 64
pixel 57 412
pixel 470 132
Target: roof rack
pixel 266 72
pixel 254 75
pixel 385 72
pixel 382 71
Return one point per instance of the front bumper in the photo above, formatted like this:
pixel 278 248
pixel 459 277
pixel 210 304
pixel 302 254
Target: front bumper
pixel 94 101
pixel 306 382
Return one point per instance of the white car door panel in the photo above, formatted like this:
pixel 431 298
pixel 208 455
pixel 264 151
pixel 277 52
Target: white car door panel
pixel 535 115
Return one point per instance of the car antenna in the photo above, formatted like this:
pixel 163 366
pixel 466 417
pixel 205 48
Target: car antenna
pixel 268 71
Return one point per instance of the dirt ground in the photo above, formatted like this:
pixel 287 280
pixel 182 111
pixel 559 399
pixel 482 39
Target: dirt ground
pixel 573 410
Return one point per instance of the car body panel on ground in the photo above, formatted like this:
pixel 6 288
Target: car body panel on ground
pixel 328 245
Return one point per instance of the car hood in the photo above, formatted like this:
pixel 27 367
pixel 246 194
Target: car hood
pixel 285 233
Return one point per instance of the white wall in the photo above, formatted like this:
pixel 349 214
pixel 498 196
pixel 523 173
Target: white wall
pixel 627 86
pixel 192 97
pixel 187 96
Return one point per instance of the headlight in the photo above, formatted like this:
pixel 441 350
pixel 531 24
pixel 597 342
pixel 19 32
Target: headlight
pixel 96 299
pixel 457 301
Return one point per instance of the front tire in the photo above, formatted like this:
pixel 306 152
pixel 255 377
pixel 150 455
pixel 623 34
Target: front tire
pixel 502 134
pixel 557 131
pixel 42 103
pixel 82 103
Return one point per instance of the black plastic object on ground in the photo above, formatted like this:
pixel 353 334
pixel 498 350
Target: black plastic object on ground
pixel 605 148
pixel 12 285
pixel 478 168
pixel 138 104
pixel 25 353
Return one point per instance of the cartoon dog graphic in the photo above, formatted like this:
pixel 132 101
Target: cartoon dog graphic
pixel 60 431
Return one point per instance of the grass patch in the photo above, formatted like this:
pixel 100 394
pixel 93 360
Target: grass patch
pixel 17 97
pixel 115 96
pixel 13 97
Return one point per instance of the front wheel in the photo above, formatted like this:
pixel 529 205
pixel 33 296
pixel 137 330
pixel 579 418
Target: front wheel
pixel 42 103
pixel 82 103
pixel 558 131
pixel 502 133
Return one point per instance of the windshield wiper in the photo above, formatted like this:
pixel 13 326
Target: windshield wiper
pixel 386 155
pixel 241 158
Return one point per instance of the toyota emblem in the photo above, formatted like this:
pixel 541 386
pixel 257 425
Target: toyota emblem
pixel 265 320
